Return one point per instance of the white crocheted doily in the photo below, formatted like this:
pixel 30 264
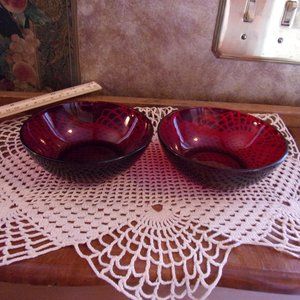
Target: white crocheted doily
pixel 147 221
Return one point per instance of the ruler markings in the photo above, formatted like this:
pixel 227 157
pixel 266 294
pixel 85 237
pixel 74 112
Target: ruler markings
pixel 21 106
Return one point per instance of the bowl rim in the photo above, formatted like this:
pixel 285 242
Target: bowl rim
pixel 233 170
pixel 97 162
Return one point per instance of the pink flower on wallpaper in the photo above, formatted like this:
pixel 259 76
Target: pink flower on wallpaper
pixel 24 72
pixel 14 6
pixel 21 57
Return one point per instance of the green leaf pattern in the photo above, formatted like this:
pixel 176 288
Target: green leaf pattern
pixel 34 14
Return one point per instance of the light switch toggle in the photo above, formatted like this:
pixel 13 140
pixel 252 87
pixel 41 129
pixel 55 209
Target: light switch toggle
pixel 289 13
pixel 249 13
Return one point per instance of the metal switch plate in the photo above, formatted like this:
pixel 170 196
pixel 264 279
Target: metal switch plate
pixel 267 30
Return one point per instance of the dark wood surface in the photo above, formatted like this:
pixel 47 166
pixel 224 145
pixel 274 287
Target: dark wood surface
pixel 248 267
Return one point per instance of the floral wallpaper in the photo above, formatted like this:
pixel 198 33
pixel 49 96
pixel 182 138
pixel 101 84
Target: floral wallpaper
pixel 38 48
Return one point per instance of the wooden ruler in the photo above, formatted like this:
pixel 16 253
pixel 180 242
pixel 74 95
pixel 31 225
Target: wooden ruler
pixel 24 105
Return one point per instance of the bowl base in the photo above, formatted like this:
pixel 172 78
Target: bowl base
pixel 211 177
pixel 89 152
pixel 215 158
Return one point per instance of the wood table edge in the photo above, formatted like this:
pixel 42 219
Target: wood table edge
pixel 293 112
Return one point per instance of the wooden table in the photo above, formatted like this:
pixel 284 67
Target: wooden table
pixel 249 267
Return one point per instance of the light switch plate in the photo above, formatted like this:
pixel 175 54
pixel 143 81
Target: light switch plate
pixel 264 38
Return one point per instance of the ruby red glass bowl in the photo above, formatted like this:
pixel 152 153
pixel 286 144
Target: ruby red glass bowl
pixel 83 138
pixel 221 147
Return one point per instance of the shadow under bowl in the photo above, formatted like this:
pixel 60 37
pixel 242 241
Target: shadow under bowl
pixel 221 148
pixel 86 140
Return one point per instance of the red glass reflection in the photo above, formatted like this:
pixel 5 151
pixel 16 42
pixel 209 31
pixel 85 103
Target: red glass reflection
pixel 220 146
pixel 86 136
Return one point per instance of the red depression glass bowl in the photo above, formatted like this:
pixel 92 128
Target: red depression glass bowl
pixel 220 147
pixel 86 138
